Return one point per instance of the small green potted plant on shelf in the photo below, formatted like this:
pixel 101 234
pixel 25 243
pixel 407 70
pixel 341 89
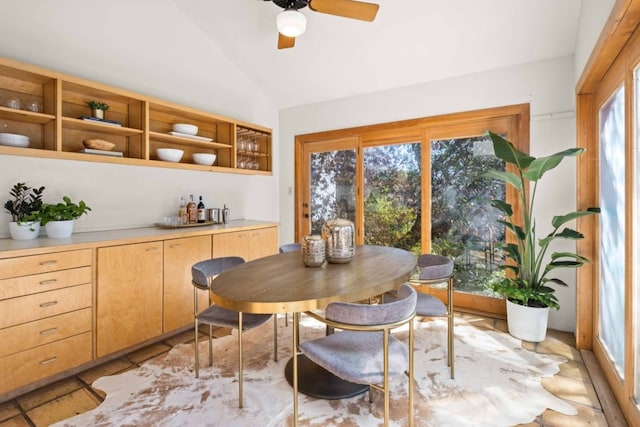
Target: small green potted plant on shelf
pixel 58 219
pixel 526 285
pixel 24 206
pixel 98 109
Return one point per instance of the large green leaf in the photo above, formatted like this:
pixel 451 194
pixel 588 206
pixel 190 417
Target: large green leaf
pixel 503 206
pixel 557 281
pixel 566 233
pixel 558 255
pixel 504 150
pixel 515 229
pixel 542 165
pixel 557 221
pixel 506 177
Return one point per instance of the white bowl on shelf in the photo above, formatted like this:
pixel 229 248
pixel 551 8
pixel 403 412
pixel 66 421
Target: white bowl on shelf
pixel 185 128
pixel 204 158
pixel 14 140
pixel 169 154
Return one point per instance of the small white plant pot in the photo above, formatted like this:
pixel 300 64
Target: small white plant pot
pixel 527 323
pixel 59 229
pixel 24 230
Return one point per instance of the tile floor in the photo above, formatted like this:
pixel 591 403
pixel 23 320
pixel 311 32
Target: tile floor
pixel 75 395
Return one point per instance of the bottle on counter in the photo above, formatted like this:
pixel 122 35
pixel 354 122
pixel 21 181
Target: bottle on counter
pixel 225 215
pixel 201 212
pixel 182 212
pixel 192 210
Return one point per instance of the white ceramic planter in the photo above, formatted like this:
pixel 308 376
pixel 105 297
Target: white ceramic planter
pixel 527 323
pixel 59 229
pixel 24 230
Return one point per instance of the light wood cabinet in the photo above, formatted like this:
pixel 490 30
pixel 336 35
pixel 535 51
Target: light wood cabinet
pixel 249 245
pixel 45 315
pixel 129 295
pixel 179 256
pixel 51 107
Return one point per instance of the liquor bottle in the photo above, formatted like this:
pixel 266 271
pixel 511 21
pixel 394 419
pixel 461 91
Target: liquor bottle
pixel 192 210
pixel 225 215
pixel 182 212
pixel 201 211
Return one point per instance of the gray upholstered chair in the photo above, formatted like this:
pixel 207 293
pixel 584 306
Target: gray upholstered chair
pixel 363 351
pixel 435 269
pixel 202 274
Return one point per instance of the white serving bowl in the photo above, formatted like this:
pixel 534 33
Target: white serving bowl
pixel 185 128
pixel 169 154
pixel 204 158
pixel 14 140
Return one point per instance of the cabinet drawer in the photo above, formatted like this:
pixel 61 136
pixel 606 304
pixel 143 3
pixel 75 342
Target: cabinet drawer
pixel 34 264
pixel 45 331
pixel 36 283
pixel 32 365
pixel 16 311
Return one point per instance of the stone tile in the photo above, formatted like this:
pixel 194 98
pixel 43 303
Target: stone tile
pixel 501 326
pixel 147 352
pixel 476 321
pixel 108 368
pixel 181 338
pixel 8 410
pixel 586 417
pixel 575 370
pixel 63 407
pixel 572 390
pixel 531 346
pixel 19 421
pixel 562 343
pixel 48 393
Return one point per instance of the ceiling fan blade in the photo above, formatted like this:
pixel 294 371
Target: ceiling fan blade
pixel 285 42
pixel 346 8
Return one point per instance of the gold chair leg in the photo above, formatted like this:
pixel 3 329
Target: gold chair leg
pixel 240 400
pixel 385 343
pixel 275 338
pixel 411 367
pixel 450 326
pixel 294 350
pixel 210 345
pixel 197 359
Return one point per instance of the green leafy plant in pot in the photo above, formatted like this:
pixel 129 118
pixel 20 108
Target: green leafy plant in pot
pixel 526 285
pixel 24 206
pixel 98 108
pixel 58 218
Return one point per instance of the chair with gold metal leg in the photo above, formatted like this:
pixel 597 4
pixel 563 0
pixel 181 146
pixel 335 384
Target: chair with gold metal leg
pixel 362 350
pixel 289 247
pixel 202 274
pixel 435 269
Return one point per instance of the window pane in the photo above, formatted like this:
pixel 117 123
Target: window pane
pixel 612 228
pixel 332 187
pixel 392 211
pixel 463 223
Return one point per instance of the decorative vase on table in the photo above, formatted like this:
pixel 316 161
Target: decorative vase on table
pixel 59 229
pixel 313 250
pixel 339 238
pixel 26 230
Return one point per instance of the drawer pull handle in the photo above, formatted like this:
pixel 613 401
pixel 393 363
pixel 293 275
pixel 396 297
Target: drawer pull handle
pixel 48 282
pixel 152 249
pixel 176 245
pixel 46 263
pixel 48 304
pixel 49 360
pixel 49 331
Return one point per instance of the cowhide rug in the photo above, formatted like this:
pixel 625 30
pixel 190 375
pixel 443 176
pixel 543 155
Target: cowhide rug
pixel 497 383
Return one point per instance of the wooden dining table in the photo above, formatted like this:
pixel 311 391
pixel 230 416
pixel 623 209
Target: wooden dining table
pixel 280 284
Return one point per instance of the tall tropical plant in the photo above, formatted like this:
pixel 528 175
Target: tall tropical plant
pixel 527 278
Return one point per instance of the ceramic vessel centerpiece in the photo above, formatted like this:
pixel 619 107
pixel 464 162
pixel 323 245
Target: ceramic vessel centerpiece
pixel 339 238
pixel 24 206
pixel 313 250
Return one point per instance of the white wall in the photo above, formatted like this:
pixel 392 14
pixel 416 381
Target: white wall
pixel 593 16
pixel 103 42
pixel 547 86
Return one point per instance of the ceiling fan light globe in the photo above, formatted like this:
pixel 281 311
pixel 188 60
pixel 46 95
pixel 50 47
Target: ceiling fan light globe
pixel 291 23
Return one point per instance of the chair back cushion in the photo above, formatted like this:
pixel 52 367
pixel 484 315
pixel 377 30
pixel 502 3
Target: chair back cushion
pixel 290 247
pixel 434 267
pixel 378 314
pixel 203 270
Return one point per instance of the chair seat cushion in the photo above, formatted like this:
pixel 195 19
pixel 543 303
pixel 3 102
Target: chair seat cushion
pixel 430 306
pixel 220 316
pixel 357 356
pixel 434 267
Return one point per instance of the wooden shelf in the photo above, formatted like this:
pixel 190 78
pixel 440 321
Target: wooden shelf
pixel 146 123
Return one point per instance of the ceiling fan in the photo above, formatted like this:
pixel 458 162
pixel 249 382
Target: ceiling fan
pixel 291 23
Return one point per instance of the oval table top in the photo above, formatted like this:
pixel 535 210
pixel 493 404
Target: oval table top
pixel 283 284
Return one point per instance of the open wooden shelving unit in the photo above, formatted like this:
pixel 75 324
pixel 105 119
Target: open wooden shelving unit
pixel 56 130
